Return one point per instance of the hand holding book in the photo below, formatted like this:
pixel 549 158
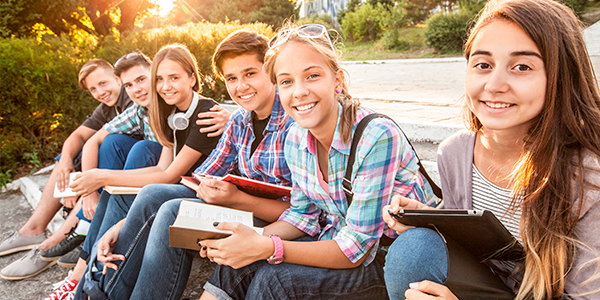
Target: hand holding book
pixel 249 186
pixel 239 249
pixel 195 221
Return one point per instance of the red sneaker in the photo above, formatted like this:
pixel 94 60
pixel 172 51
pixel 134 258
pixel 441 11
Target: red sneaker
pixel 64 290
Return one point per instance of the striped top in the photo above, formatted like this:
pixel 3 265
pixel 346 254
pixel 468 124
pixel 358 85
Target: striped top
pixel 491 197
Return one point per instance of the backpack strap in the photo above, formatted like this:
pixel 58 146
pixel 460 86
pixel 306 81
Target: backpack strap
pixel 360 128
pixel 347 181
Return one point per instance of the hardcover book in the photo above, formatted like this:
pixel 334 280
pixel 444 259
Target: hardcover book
pixel 194 223
pixel 249 186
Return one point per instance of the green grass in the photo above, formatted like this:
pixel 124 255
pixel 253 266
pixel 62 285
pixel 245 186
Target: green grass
pixel 413 37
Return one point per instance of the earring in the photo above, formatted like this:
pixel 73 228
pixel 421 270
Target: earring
pixel 337 91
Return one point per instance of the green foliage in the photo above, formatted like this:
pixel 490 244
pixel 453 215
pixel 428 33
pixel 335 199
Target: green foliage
pixel 351 6
pixel 471 6
pixel 33 160
pixel 201 38
pixel 369 23
pixel 404 39
pixel 22 18
pixel 417 11
pixel 271 12
pixel 5 178
pixel 446 32
pixel 364 24
pixel 578 6
pixel 41 102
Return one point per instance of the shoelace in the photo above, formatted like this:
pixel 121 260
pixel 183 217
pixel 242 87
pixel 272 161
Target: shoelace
pixel 71 234
pixel 33 252
pixel 12 236
pixel 62 282
pixel 63 290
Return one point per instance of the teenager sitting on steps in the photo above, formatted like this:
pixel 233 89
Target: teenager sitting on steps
pixel 252 142
pixel 175 105
pixel 97 77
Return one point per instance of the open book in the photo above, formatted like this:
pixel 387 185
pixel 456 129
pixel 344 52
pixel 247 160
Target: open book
pixel 194 223
pixel 67 192
pixel 249 186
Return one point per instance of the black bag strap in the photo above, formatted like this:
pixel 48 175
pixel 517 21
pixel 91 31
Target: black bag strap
pixel 360 128
pixel 347 181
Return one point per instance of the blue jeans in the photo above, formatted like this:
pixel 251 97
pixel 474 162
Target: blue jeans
pixel 132 243
pixel 261 280
pixel 118 152
pixel 417 254
pixel 114 155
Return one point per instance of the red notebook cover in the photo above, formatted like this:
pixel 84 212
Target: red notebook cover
pixel 250 186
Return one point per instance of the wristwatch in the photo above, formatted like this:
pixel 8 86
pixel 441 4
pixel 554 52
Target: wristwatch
pixel 277 257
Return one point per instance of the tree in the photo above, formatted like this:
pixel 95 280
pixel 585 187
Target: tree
pixel 97 17
pixel 272 12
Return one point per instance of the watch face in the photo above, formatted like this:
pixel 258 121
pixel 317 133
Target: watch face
pixel 276 260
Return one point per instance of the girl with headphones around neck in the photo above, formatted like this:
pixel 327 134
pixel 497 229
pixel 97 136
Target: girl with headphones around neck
pixel 174 107
pixel 173 111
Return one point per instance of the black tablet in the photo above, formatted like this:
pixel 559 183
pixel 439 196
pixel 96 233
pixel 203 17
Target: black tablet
pixel 478 232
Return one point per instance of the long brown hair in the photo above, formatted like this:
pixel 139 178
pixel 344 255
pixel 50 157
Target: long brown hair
pixel 546 176
pixel 159 110
pixel 324 47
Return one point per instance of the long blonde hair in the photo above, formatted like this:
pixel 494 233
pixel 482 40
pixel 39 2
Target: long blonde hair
pixel 568 124
pixel 159 110
pixel 323 46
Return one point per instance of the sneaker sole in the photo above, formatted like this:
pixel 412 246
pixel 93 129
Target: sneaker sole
pixel 28 276
pixel 45 258
pixel 66 265
pixel 18 249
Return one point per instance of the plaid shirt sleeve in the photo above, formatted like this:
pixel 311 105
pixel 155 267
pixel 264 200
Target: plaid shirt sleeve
pixel 126 122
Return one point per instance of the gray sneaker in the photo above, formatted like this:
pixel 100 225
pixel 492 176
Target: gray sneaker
pixel 16 242
pixel 70 259
pixel 27 266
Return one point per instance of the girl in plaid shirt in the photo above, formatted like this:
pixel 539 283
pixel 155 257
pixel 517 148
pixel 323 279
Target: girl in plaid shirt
pixel 338 255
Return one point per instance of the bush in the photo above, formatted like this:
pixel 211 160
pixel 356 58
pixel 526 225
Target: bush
pixel 394 21
pixel 201 38
pixel 364 24
pixel 41 101
pixel 446 33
